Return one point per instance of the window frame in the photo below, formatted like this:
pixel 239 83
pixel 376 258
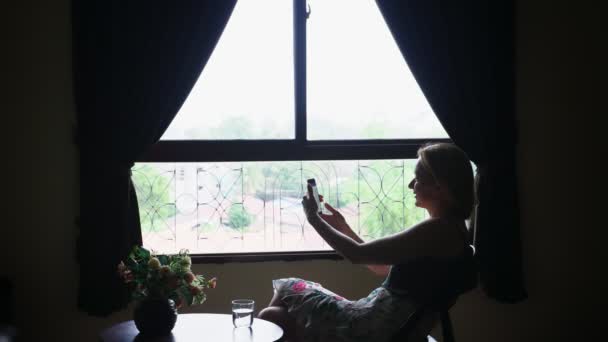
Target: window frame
pixel 297 149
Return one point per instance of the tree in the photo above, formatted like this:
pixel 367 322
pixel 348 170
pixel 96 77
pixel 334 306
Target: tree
pixel 265 178
pixel 386 205
pixel 238 217
pixel 233 127
pixel 153 199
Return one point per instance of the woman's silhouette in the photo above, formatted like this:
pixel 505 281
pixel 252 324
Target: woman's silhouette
pixel 418 262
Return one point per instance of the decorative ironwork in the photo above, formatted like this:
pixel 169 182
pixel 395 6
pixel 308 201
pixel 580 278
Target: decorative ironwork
pixel 256 206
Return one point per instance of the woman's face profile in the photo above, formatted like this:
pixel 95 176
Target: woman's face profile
pixel 424 187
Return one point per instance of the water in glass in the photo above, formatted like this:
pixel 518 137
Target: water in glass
pixel 242 317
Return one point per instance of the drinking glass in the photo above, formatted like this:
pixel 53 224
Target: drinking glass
pixel 242 312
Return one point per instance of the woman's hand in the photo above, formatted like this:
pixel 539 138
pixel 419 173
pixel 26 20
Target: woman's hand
pixel 311 210
pixel 335 220
pixel 342 243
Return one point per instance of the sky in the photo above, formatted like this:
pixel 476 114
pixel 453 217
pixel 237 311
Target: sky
pixel 359 85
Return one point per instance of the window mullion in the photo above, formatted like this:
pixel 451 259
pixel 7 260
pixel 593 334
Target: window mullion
pixel 299 41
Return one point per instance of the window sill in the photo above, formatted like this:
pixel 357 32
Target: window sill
pixel 261 257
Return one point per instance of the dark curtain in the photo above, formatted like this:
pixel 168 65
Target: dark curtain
pixel 462 55
pixel 135 63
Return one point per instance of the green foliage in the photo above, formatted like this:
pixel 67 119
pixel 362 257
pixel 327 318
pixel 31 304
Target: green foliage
pixel 265 178
pixel 287 176
pixel 233 127
pixel 207 227
pixel 238 217
pixel 153 197
pixel 386 204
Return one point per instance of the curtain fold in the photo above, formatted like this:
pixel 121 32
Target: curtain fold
pixel 462 56
pixel 135 63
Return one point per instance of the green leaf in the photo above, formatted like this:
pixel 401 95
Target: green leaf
pixel 200 298
pixel 164 260
pixel 133 251
pixel 145 253
pixel 186 295
pixel 199 280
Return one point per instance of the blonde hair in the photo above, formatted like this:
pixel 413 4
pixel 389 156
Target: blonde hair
pixel 451 168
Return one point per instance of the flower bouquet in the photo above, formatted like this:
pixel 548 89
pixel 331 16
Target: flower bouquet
pixel 161 284
pixel 163 276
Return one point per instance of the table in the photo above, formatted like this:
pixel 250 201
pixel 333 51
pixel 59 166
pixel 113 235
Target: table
pixel 199 327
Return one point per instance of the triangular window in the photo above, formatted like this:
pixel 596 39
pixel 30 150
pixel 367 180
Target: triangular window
pixel 358 85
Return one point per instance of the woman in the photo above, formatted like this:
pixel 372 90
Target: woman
pixel 430 254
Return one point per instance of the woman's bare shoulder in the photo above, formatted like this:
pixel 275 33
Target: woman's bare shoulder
pixel 444 237
pixel 433 223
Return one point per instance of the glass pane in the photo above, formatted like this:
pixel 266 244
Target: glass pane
pixel 256 206
pixel 246 90
pixel 359 85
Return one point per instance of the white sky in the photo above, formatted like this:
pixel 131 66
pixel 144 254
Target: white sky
pixel 357 77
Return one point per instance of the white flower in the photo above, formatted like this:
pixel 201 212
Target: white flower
pixel 154 263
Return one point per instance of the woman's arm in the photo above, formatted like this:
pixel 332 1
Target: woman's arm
pixel 430 237
pixel 337 221
pixel 424 239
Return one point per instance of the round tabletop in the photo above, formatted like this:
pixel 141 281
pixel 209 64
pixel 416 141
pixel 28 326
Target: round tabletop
pixel 199 327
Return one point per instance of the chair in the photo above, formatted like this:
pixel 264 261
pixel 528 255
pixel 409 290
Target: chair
pixel 424 320
pixel 438 303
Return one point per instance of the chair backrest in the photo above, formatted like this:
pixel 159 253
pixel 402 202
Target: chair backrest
pixel 421 322
pixel 417 327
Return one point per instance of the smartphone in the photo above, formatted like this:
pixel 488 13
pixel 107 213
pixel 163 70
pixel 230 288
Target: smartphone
pixel 315 194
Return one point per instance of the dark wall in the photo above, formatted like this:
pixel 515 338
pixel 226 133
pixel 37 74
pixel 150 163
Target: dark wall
pixel 559 110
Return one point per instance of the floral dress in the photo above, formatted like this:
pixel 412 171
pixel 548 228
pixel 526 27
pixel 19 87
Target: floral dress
pixel 327 316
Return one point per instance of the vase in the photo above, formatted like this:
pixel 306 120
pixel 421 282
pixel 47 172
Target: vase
pixel 155 316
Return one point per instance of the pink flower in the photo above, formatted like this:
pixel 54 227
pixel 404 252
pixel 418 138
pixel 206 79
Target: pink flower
pixel 299 286
pixel 128 277
pixel 165 270
pixel 213 282
pixel 122 268
pixel 189 277
pixel 195 290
